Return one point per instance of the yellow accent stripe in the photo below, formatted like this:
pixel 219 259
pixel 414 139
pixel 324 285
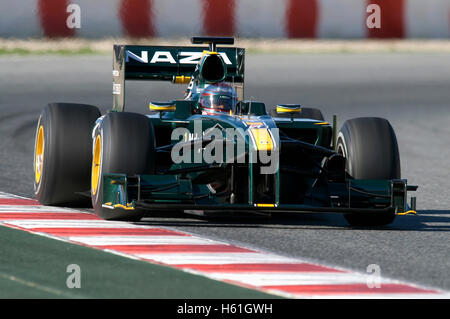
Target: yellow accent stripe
pixel 321 123
pixel 154 107
pixel 265 205
pixel 262 138
pixel 181 79
pixel 408 212
pixel 250 123
pixel 124 207
pixel 282 109
pixel 209 53
pixel 128 207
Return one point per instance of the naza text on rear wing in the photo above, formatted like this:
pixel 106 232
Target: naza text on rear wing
pixel 167 63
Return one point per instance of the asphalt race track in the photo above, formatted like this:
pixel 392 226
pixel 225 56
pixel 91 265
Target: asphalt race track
pixel 411 90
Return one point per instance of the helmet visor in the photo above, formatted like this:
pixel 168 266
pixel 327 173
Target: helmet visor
pixel 219 102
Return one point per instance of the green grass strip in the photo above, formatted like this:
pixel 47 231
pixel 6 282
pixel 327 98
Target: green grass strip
pixel 34 266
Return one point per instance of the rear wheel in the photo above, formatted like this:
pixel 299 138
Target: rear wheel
pixel 370 147
pixel 62 154
pixel 124 143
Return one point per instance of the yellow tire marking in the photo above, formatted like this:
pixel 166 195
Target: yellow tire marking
pixel 39 155
pixel 96 161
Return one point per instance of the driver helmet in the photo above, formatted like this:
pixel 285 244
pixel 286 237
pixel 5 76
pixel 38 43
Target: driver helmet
pixel 217 99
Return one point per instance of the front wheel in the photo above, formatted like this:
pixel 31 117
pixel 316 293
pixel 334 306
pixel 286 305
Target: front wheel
pixel 370 147
pixel 123 143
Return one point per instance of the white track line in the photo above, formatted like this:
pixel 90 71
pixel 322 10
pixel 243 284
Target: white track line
pixel 11 196
pixel 216 258
pixel 141 240
pixel 371 295
pixel 307 278
pixel 71 223
pixel 36 209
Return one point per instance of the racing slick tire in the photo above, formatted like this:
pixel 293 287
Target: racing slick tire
pixel 123 143
pixel 306 113
pixel 63 154
pixel 370 147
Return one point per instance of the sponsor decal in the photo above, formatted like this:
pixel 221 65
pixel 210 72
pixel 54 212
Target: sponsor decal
pixel 116 89
pixel 184 57
pixel 218 145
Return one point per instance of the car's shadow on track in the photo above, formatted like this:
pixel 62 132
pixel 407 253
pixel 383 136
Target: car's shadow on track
pixel 425 220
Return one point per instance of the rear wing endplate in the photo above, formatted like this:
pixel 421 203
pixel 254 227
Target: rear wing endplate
pixel 164 63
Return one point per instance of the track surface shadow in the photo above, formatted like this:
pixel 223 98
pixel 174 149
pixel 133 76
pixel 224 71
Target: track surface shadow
pixel 425 220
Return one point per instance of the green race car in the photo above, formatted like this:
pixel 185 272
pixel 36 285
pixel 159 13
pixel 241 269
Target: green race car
pixel 213 150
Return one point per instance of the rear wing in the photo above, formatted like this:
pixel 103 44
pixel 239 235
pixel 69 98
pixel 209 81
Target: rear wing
pixel 166 63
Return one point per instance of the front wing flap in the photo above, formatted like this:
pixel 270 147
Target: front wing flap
pixel 174 192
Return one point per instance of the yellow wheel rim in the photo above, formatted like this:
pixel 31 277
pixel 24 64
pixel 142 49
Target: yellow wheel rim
pixel 96 160
pixel 39 155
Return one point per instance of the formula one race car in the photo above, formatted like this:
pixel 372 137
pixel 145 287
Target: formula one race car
pixel 213 150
